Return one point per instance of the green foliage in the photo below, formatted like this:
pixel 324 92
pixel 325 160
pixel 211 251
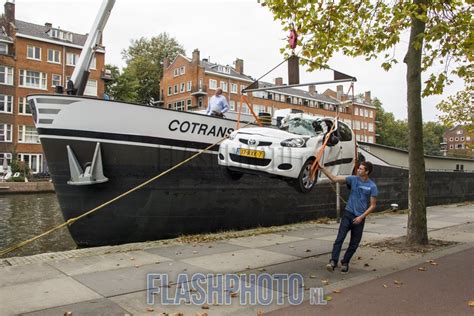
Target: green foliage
pixel 16 179
pixel 394 133
pixel 19 166
pixel 458 109
pixel 368 28
pixel 144 57
pixel 123 86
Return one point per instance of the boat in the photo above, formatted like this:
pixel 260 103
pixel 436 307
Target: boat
pixel 98 149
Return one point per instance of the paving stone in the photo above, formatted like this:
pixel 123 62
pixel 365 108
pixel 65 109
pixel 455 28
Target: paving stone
pixel 27 273
pixel 310 233
pixel 300 248
pixel 127 280
pixel 93 307
pixel 136 303
pixel 113 261
pixel 34 296
pixel 433 224
pixel 238 260
pixel 263 240
pixel 185 251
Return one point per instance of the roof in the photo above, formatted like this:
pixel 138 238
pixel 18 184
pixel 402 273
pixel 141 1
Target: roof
pixel 212 67
pixel 41 31
pixel 300 93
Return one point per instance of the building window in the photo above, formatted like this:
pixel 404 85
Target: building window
pixel 450 139
pixel 33 52
pixel 33 161
pixel 6 133
pixel 3 157
pixel 179 106
pixel 232 105
pixel 223 69
pixel 23 106
pixel 468 138
pixel 6 75
pixel 33 79
pixel 71 59
pixel 3 49
pixel 357 125
pixel 91 88
pixel 459 132
pixel 371 113
pixel 60 34
pixel 189 104
pixel 55 80
pixel 233 88
pixel 224 86
pixel 6 103
pixel 93 64
pixel 462 139
pixel 212 84
pixel 189 86
pixel 242 87
pixel 182 87
pixel 54 56
pixel 27 134
pixel 460 146
pixel 451 146
pixel 371 127
pixel 456 139
pixel 175 89
pixel 370 139
pixel 170 90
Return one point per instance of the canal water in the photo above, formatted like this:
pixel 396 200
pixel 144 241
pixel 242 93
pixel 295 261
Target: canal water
pixel 23 216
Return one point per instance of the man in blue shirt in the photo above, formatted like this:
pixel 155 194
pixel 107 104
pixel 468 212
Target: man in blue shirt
pixel 362 201
pixel 217 104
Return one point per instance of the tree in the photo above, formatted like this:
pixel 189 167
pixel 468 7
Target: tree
pixel 440 34
pixel 122 86
pixel 390 132
pixel 144 63
pixel 458 109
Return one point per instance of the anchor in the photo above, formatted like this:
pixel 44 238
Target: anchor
pixel 93 172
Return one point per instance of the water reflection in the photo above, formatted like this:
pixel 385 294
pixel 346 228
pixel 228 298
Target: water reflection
pixel 27 215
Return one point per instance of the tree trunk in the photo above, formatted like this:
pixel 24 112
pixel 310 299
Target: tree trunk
pixel 416 229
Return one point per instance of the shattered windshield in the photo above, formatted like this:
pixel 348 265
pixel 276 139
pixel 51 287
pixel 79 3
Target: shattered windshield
pixel 299 126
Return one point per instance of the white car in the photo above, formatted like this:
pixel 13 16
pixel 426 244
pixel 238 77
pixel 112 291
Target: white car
pixel 289 151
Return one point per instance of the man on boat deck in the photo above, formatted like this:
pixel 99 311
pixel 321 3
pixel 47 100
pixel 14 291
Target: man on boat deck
pixel 217 104
pixel 362 201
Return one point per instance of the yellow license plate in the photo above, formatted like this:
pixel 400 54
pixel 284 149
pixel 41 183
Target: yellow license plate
pixel 252 153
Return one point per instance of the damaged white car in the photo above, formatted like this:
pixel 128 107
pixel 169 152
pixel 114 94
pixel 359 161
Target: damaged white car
pixel 289 150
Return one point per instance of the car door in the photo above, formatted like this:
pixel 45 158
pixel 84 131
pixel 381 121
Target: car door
pixel 347 147
pixel 332 153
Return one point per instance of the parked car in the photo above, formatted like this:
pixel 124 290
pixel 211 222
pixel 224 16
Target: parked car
pixel 289 151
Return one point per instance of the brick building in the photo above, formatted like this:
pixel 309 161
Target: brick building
pixel 187 85
pixel 457 141
pixel 34 59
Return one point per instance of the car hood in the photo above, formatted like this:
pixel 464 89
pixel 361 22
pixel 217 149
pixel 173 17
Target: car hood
pixel 268 132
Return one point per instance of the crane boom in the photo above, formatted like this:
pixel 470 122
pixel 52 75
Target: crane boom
pixel 77 84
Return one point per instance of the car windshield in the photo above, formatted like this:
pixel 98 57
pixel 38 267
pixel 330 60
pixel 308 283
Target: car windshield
pixel 300 126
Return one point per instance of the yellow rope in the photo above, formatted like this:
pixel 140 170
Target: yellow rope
pixel 73 220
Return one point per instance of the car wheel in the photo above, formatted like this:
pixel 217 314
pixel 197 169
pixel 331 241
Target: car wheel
pixel 231 174
pixel 303 183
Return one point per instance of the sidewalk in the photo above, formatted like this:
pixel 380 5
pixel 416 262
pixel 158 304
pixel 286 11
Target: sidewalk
pixel 112 280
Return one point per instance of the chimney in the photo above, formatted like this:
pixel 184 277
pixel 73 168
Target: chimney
pixel 48 25
pixel 312 90
pixel 196 56
pixel 340 92
pixel 10 11
pixel 279 81
pixel 166 63
pixel 367 96
pixel 239 65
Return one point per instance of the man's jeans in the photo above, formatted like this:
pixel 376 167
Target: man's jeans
pixel 356 235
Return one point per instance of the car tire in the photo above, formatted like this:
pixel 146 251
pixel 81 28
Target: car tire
pixel 302 183
pixel 231 174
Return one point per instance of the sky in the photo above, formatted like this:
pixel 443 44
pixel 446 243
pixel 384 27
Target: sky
pixel 224 30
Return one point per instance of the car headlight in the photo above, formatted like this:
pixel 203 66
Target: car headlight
pixel 294 142
pixel 232 135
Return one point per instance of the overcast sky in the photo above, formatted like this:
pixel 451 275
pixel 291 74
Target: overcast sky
pixel 223 30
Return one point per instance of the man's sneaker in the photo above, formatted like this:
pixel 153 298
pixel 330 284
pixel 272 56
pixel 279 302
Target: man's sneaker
pixel 331 266
pixel 344 268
